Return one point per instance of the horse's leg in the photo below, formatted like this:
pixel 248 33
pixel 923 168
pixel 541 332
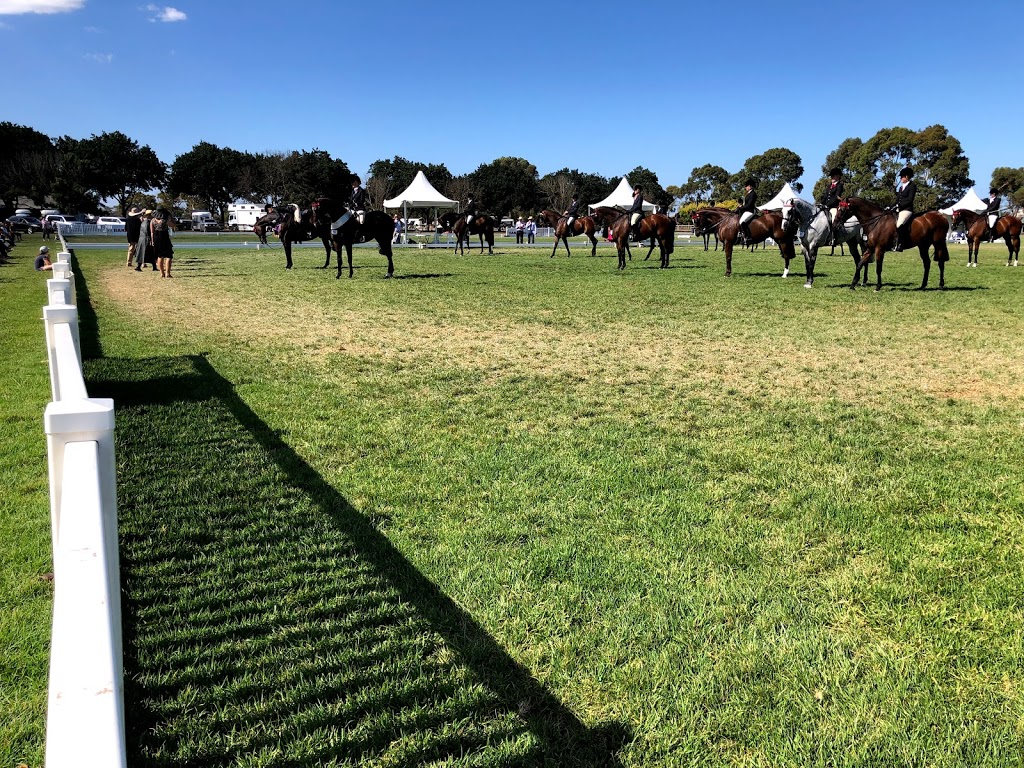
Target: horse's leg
pixel 556 247
pixel 593 244
pixel 941 257
pixel 727 247
pixel 327 247
pixel 923 250
pixel 286 241
pixel 810 257
pixel 1015 250
pixel 879 256
pixel 385 250
pixel 707 240
pixel 565 242
pixel 490 242
pixel 338 246
pixel 863 264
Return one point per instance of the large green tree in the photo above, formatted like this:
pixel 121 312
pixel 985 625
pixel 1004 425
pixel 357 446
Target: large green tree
pixel 507 186
pixel 706 185
pixel 313 174
pixel 653 191
pixel 72 189
pixel 209 173
pixel 771 169
pixel 115 166
pixel 28 163
pixel 872 167
pixel 390 177
pixel 558 188
pixel 1009 182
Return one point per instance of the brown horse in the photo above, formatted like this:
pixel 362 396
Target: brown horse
pixel 584 225
pixel 482 225
pixel 295 227
pixel 726 224
pixel 927 230
pixel 654 225
pixel 376 225
pixel 1007 228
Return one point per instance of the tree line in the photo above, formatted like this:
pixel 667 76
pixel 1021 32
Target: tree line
pixel 80 174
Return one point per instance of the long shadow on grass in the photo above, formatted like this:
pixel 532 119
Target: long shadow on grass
pixel 268 622
pixel 88 325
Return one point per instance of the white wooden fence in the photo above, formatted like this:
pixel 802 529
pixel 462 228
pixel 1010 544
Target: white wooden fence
pixel 85 710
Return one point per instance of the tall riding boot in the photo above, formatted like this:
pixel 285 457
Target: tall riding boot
pixel 745 233
pixel 900 234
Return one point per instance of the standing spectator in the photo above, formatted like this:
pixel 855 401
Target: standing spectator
pixel 47 228
pixel 531 230
pixel 132 228
pixel 160 232
pixel 142 250
pixel 43 260
pixel 397 237
pixel 520 226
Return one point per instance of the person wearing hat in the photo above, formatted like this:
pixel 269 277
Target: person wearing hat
pixel 143 251
pixel 747 210
pixel 571 212
pixel 470 210
pixel 531 230
pixel 358 200
pixel 636 211
pixel 992 211
pixel 132 228
pixel 520 229
pixel 42 262
pixel 906 191
pixel 832 194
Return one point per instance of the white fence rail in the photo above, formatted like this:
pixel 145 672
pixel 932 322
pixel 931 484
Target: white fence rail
pixel 85 709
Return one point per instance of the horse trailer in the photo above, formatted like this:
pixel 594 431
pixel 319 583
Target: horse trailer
pixel 242 216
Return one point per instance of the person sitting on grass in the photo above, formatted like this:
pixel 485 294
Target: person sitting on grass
pixel 43 260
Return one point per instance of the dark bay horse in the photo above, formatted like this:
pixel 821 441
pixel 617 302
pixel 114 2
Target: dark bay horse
pixel 376 225
pixel 1007 228
pixel 726 224
pixel 656 226
pixel 927 230
pixel 584 225
pixel 482 225
pixel 295 227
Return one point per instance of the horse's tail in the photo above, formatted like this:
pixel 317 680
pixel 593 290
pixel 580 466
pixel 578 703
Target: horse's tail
pixel 672 235
pixel 296 213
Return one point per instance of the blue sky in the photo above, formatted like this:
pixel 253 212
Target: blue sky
pixel 599 86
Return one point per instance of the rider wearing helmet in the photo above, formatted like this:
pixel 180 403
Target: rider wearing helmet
pixel 470 210
pixel 906 191
pixel 833 192
pixel 992 211
pixel 636 212
pixel 358 199
pixel 748 210
pixel 572 211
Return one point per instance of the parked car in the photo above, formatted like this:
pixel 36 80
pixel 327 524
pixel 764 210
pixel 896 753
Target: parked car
pixel 110 224
pixel 184 224
pixel 206 225
pixel 22 223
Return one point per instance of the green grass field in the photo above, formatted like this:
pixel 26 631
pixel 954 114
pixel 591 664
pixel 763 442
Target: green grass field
pixel 510 510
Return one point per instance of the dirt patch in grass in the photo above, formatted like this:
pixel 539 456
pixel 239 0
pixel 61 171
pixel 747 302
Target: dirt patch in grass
pixel 757 359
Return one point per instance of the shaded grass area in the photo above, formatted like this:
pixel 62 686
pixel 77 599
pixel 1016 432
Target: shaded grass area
pixel 470 518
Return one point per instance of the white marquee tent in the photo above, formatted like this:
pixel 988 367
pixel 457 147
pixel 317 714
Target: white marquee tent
pixel 621 197
pixel 970 201
pixel 775 204
pixel 420 194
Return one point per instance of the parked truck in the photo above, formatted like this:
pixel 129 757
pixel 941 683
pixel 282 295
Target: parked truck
pixel 242 216
pixel 203 221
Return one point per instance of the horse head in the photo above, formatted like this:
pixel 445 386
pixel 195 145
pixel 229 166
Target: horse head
pixel 957 218
pixel 843 213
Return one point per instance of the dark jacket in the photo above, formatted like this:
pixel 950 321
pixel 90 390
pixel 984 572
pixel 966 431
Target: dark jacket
pixel 470 209
pixel 638 205
pixel 749 203
pixel 358 199
pixel 132 228
pixel 830 197
pixel 905 197
pixel 573 209
pixel 993 206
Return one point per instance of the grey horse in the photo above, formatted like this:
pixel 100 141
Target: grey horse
pixel 815 232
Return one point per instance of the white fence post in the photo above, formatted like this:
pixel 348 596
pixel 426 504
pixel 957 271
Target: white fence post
pixel 53 316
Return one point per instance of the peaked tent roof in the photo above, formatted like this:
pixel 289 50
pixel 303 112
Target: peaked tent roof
pixel 420 194
pixel 775 204
pixel 621 196
pixel 970 201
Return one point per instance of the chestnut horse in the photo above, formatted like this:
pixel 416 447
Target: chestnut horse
pixel 1007 227
pixel 482 225
pixel 584 225
pixel 927 230
pixel 656 226
pixel 376 225
pixel 726 224
pixel 295 227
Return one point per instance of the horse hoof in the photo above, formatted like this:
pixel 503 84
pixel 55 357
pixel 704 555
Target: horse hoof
pixel 388 275
pixel 808 284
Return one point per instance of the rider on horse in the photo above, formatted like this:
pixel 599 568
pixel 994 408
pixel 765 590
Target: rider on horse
pixel 833 192
pixel 358 200
pixel 906 191
pixel 992 211
pixel 636 212
pixel 748 210
pixel 571 212
pixel 470 210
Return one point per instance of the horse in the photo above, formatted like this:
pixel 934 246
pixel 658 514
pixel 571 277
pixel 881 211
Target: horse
pixel 927 230
pixel 815 231
pixel 295 227
pixel 482 225
pixel 346 230
pixel 584 225
pixel 1007 227
pixel 726 224
pixel 656 226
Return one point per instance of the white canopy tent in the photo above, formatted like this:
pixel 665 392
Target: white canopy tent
pixel 775 204
pixel 420 194
pixel 621 197
pixel 970 202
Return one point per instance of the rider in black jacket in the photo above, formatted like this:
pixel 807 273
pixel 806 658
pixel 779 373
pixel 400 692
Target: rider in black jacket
pixel 748 210
pixel 992 212
pixel 636 211
pixel 358 202
pixel 572 211
pixel 906 191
